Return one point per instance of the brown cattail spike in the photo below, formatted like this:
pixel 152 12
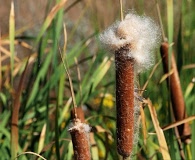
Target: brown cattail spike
pixel 79 133
pixel 79 112
pixel 124 101
pixel 177 99
pixel 132 41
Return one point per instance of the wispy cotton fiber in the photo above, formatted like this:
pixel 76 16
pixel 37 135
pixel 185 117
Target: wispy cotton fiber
pixel 139 33
pixel 80 139
pixel 77 125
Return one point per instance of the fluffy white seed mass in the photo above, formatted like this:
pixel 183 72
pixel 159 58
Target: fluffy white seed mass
pixel 77 125
pixel 140 33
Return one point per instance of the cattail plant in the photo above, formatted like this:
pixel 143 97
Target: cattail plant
pixel 177 99
pixel 78 129
pixel 80 135
pixel 132 42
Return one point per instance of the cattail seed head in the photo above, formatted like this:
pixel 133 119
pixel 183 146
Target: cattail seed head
pixel 124 102
pixel 140 33
pixel 177 98
pixel 80 139
pixel 132 41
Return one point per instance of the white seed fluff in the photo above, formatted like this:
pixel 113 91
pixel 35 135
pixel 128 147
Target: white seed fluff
pixel 77 125
pixel 140 33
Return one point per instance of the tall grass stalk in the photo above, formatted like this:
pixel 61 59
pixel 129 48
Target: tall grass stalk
pixel 49 18
pixel 161 138
pixel 79 131
pixel 15 115
pixel 0 65
pixel 12 38
pixel 14 125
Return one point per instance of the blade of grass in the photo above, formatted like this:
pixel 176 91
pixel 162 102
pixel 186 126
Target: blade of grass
pixel 57 145
pixel 62 77
pixel 39 77
pixel 49 18
pixel 175 124
pixel 65 110
pixel 57 27
pixel 166 75
pixel 42 139
pixel 11 38
pixel 189 89
pixel 4 118
pixel 170 23
pixel 90 82
pixel 70 151
pixel 160 135
pixel 144 127
pixel 0 64
pixel 56 31
pixel 8 53
pixel 32 153
pixel 160 20
pixel 121 9
pixel 100 72
pixel 36 93
pixel 15 114
pixel 150 76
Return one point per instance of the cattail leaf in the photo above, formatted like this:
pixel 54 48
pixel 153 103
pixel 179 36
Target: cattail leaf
pixel 65 110
pixel 189 66
pixel 8 54
pixel 31 153
pixel 94 148
pixel 160 135
pixel 4 117
pixel 49 18
pixel 175 124
pixel 89 86
pixel 70 151
pixel 15 114
pixel 75 52
pixel 166 75
pixel 100 72
pixel 42 139
pixel 144 127
pixel 188 90
pixel 3 98
pixel 40 76
pixel 170 29
pixel 12 38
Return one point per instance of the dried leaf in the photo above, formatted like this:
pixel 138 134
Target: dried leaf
pixel 160 135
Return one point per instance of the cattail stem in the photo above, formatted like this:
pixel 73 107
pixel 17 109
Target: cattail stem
pixel 124 101
pixel 177 99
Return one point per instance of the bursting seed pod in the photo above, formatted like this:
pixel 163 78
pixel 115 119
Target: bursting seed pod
pixel 132 41
pixel 80 139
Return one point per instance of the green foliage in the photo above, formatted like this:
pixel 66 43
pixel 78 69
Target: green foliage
pixel 45 102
